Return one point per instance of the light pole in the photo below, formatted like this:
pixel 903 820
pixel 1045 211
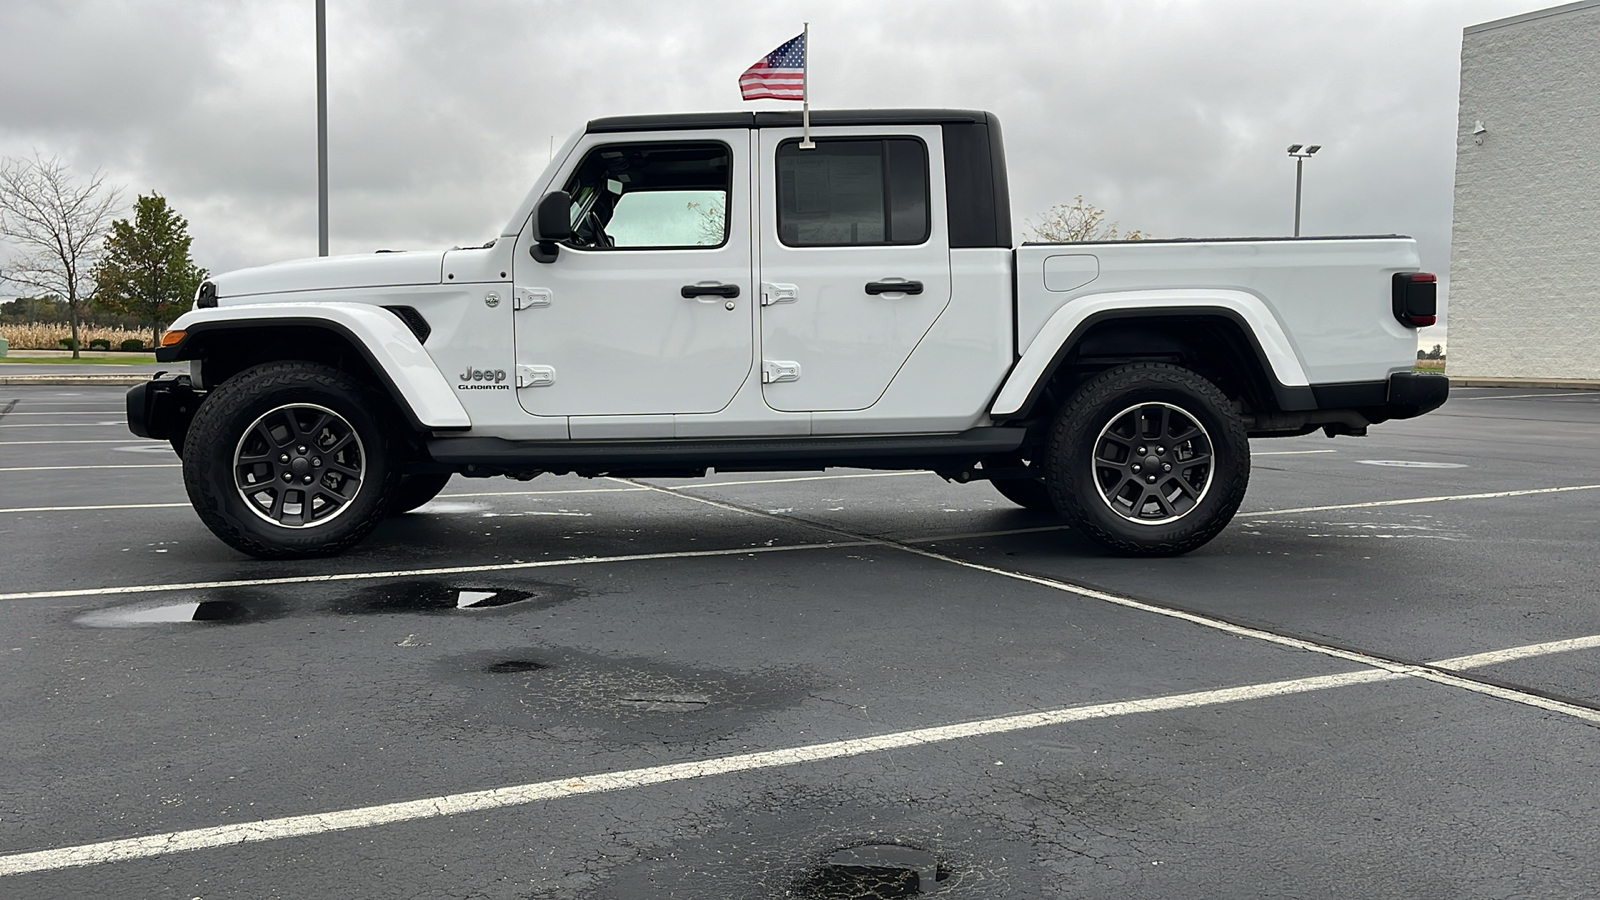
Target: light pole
pixel 322 129
pixel 1299 166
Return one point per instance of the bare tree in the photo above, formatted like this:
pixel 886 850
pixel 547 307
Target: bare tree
pixel 1078 221
pixel 58 227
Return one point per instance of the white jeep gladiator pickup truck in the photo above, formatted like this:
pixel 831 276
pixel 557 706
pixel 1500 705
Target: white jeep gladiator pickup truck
pixel 683 293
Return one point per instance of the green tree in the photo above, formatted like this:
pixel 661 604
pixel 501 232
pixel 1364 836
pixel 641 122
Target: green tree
pixel 146 271
pixel 1079 220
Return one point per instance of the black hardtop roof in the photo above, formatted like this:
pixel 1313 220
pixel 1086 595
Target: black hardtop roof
pixel 786 119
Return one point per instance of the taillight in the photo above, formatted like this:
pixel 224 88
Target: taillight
pixel 1416 299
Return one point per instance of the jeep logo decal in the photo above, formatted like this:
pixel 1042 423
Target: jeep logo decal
pixel 483 380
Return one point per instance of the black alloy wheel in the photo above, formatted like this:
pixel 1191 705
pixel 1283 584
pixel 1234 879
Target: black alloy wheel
pixel 1148 459
pixel 1153 463
pixel 292 459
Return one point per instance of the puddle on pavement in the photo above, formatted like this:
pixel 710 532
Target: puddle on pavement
pixel 445 597
pixel 429 597
pixel 249 608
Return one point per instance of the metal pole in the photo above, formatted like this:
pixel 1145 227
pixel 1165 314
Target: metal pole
pixel 1299 166
pixel 322 128
pixel 805 89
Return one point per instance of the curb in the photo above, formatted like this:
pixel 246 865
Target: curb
pixel 120 378
pixel 1468 381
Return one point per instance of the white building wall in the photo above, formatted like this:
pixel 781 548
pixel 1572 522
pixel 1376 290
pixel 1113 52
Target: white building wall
pixel 1525 256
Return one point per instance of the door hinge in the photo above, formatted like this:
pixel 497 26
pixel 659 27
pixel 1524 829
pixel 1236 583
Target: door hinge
pixel 524 298
pixel 778 293
pixel 774 371
pixel 535 376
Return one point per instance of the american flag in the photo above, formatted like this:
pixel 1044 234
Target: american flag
pixel 780 75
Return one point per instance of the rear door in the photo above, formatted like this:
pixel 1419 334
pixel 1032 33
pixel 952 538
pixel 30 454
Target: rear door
pixel 854 260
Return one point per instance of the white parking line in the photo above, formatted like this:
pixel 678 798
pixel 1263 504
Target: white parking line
pixel 1526 396
pixel 81 468
pixel 38 509
pixel 130 439
pixel 1492 495
pixel 33 402
pixel 72 412
pixel 171 842
pixel 1511 654
pixel 120 423
pixel 1288 452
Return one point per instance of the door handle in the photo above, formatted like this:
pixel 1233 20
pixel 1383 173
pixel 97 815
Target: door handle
pixel 894 287
pixel 712 290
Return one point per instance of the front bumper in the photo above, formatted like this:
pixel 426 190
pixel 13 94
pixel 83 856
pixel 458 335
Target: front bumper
pixel 162 407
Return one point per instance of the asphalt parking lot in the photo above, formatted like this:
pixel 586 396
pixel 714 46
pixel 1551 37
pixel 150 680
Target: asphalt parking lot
pixel 1383 680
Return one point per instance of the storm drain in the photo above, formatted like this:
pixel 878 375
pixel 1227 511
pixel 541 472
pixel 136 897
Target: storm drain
pixel 873 872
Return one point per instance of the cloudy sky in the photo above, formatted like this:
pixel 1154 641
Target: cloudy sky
pixel 1173 115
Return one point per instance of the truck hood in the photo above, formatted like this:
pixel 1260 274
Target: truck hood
pixel 332 273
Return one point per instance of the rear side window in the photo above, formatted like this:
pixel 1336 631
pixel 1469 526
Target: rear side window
pixel 849 192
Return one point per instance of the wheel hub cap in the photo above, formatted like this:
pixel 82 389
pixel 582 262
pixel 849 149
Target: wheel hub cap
pixel 1153 463
pixel 299 465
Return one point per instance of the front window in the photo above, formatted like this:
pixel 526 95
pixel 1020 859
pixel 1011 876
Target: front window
pixel 656 196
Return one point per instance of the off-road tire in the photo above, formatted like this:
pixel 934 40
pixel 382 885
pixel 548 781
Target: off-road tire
pixel 216 441
pixel 1148 396
pixel 416 490
pixel 1028 493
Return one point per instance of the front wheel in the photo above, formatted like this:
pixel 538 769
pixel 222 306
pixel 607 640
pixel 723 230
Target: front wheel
pixel 1148 459
pixel 291 459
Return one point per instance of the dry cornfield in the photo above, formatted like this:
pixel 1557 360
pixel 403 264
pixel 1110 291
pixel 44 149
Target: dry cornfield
pixel 38 336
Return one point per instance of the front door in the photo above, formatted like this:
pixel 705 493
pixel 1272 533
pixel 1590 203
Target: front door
pixel 647 310
pixel 855 261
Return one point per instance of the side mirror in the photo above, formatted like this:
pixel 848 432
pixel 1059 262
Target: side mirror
pixel 552 222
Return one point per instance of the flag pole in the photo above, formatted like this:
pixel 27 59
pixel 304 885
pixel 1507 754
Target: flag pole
pixel 805 91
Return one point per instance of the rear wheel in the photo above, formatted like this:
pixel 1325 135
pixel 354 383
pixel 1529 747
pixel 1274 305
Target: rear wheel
pixel 1148 459
pixel 291 459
